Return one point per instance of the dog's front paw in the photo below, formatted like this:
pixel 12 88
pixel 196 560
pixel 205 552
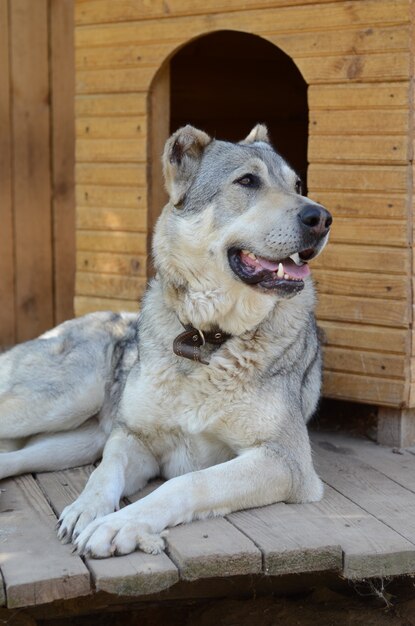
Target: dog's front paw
pixel 79 514
pixel 116 535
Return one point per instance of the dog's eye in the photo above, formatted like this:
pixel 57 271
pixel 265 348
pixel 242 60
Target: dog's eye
pixel 248 180
pixel 298 187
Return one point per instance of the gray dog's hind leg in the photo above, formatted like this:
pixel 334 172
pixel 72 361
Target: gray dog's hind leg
pixel 56 451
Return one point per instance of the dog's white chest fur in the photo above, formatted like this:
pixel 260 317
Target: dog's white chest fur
pixel 194 428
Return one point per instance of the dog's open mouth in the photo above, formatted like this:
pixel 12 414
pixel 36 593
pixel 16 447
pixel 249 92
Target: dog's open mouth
pixel 286 274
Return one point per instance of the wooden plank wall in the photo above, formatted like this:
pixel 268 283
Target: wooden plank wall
pixel 356 59
pixel 36 167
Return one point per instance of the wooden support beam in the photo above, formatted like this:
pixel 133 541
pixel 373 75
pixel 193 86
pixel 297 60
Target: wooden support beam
pixel 396 427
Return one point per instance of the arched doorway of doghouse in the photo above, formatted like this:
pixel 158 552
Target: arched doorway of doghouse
pixel 225 82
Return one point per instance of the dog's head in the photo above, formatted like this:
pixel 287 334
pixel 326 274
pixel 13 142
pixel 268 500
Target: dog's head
pixel 236 233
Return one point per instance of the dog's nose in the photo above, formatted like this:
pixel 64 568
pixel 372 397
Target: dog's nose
pixel 316 219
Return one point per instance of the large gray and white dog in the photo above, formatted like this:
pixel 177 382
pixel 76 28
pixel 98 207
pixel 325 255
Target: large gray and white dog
pixel 210 386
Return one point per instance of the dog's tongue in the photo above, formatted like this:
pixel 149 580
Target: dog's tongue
pixel 290 268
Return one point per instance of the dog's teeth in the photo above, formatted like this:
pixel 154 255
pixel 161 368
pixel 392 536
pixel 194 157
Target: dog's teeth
pixel 280 272
pixel 252 256
pixel 286 276
pixel 245 252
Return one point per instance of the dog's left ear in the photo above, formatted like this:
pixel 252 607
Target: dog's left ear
pixel 181 160
pixel 258 133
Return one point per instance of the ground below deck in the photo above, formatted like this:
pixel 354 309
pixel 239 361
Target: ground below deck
pixel 364 527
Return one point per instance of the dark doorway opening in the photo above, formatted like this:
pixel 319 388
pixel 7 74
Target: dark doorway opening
pixel 228 81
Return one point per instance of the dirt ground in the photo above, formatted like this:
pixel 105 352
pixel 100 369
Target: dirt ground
pixel 365 604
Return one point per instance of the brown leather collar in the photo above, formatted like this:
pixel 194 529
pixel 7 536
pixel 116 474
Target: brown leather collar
pixel 188 344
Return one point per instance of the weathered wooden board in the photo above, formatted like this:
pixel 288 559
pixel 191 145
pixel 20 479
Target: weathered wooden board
pixel 288 544
pixel 360 178
pixel 361 40
pixel 399 465
pixel 363 258
pixel 374 492
pixel 370 231
pixel 128 80
pixel 32 574
pixel 110 104
pixel 363 204
pixel 7 295
pixel 62 87
pixel 134 574
pixel 114 127
pixel 354 360
pixel 107 285
pixel 137 55
pixel 267 22
pixel 208 548
pixel 90 304
pixel 211 548
pixel 312 537
pixel 391 287
pixel 91 218
pixel 369 389
pixel 364 337
pixel 101 241
pixel 125 174
pixel 358 95
pixel 359 122
pixel 353 148
pixel 111 263
pixel 111 196
pixel 110 151
pixel 106 11
pixel 364 67
pixel 363 310
pixel 31 160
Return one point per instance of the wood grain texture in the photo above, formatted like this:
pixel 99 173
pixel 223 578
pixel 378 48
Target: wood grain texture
pixel 357 67
pixel 128 127
pixel 107 285
pixel 367 389
pixel 396 426
pixel 135 574
pixel 267 22
pixel 397 465
pixel 90 304
pixel 31 164
pixel 210 548
pixel 363 204
pixel 159 130
pixel 363 258
pixel 357 178
pixel 363 310
pixel 374 492
pixel 376 364
pixel 125 174
pixel 32 574
pixel 110 104
pixel 111 196
pixel 359 95
pixel 105 11
pixel 111 263
pixel 333 534
pixel 62 88
pixel 353 148
pixel 91 218
pixel 364 337
pixel 102 241
pixel 7 289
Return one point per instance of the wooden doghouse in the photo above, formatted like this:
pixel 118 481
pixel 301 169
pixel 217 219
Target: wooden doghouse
pixel 333 80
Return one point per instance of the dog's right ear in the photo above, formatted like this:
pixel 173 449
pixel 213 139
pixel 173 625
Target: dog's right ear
pixel 181 159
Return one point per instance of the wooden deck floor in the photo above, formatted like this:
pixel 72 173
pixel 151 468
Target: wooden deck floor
pixel 364 527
